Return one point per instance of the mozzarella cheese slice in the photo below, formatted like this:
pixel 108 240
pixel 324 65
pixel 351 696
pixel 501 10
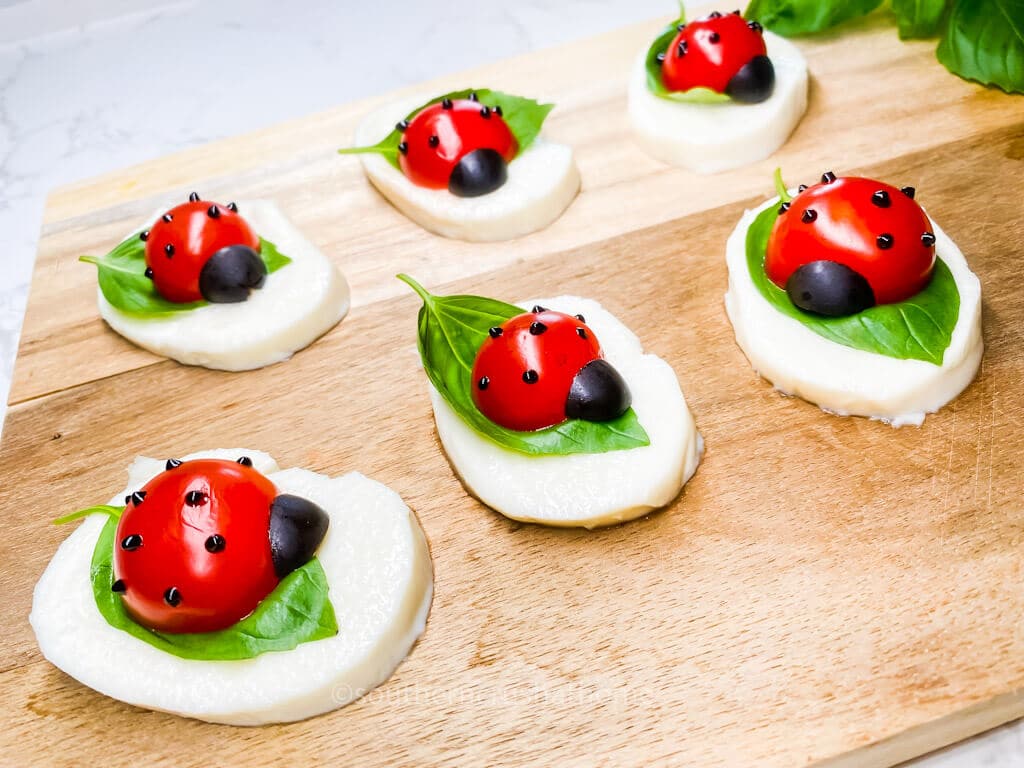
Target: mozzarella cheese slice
pixel 708 138
pixel 542 181
pixel 296 305
pixel 588 490
pixel 381 579
pixel 840 379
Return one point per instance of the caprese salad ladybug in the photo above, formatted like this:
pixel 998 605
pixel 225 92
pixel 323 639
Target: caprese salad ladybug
pixel 724 53
pixel 541 368
pixel 849 243
pixel 457 144
pixel 202 250
pixel 199 546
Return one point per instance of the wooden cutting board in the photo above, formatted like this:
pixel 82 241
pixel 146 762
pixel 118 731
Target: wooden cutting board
pixel 826 591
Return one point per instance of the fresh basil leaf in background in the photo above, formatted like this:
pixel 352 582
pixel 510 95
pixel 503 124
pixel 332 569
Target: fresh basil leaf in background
pixel 802 17
pixel 918 18
pixel 122 278
pixel 654 81
pixel 297 611
pixel 451 330
pixel 984 41
pixel 524 117
pixel 919 328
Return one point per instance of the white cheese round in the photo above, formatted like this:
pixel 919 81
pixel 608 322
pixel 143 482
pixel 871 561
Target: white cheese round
pixel 708 138
pixel 840 379
pixel 296 305
pixel 381 579
pixel 588 490
pixel 542 181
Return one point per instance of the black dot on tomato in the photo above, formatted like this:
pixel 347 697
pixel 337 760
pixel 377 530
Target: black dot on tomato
pixel 473 96
pixel 195 498
pixel 884 241
pixel 131 542
pixel 660 58
pixel 172 464
pixel 144 235
pixel 494 331
pixel 446 103
pixel 908 191
pixel 714 37
pixel 167 217
pixel 403 147
pixel 783 208
pixel 927 239
pixel 233 207
pixel 538 308
pixel 137 497
pixel 245 461
pixel 808 215
pixel 715 15
pixel 756 26
pixel 497 110
pixel 581 318
pixel 681 48
pixel 483 383
pixel 581 332
pixel 801 188
pixel 402 125
pixel 828 177
pixel 215 544
pixel 485 113
pixel 537 328
pixel 172 597
pixel 213 212
pixel 433 141
pixel 118 586
pixel 881 199
pixel 681 27
pixel 148 273
pixel 169 250
pixel 531 377
pixel 193 197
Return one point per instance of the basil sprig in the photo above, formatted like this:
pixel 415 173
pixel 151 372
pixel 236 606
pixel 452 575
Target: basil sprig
pixel 919 328
pixel 523 116
pixel 655 83
pixel 122 278
pixel 980 40
pixel 451 330
pixel 297 611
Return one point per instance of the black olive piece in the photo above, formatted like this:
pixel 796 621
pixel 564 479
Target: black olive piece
pixel 682 48
pixel 784 207
pixel 581 318
pixel 808 215
pixel 531 376
pixel 446 103
pixel 167 217
pixel 829 288
pixel 736 12
pixel 681 27
pixel 118 586
pixel 403 147
pixel 172 597
pixel 473 96
pixel 193 197
pixel 297 526
pixel 581 332
pixel 169 250
pixel 884 241
pixel 245 461
pixel 195 498
pixel 137 497
pixel 402 125
pixel 494 331
pixel 536 328
pixel 231 273
pixel 483 383
pixel 433 141
pixel 715 15
pixel 172 463
pixel 908 191
pixel 497 110
pixel 477 173
pixel 144 236
pixel 714 37
pixel 538 308
pixel 213 212
pixel 881 199
pixel 232 207
pixel 754 82
pixel 756 26
pixel 131 542
pixel 485 113
pixel 598 393
pixel 215 544
pixel 148 273
pixel 828 177
pixel 660 58
pixel 801 188
pixel 927 239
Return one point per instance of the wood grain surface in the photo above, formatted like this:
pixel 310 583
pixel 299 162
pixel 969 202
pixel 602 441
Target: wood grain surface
pixel 825 591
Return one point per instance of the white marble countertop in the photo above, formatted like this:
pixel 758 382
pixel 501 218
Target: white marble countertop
pixel 94 85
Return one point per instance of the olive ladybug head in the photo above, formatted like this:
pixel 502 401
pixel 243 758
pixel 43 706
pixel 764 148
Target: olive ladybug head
pixel 754 82
pixel 231 273
pixel 829 288
pixel 478 173
pixel 598 393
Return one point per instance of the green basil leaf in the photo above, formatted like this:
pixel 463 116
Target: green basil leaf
pixel 523 116
pixel 984 41
pixel 451 330
pixel 919 328
pixel 297 611
pixel 654 82
pixel 801 17
pixel 122 278
pixel 918 18
pixel 102 509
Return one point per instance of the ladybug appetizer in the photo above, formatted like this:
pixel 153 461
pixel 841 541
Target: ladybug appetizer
pixel 554 415
pixel 716 93
pixel 469 164
pixel 221 286
pixel 848 295
pixel 221 557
